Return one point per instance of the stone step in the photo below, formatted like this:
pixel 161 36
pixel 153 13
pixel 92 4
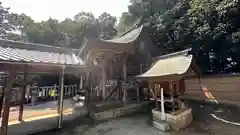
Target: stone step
pixel 162 125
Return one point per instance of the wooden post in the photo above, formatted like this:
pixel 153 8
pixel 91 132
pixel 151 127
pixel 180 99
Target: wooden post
pixel 7 99
pixel 162 105
pixel 2 93
pixel 87 100
pixel 178 93
pixel 177 88
pixel 81 82
pixel 55 93
pixel 104 81
pixel 138 95
pixel 156 94
pixel 125 79
pixel 60 99
pixel 141 68
pixel 125 70
pixel 172 94
pixel 23 93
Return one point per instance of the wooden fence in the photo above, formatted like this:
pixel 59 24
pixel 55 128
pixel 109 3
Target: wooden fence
pixel 225 89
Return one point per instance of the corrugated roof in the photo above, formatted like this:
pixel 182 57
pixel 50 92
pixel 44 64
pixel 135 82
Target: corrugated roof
pixel 12 51
pixel 172 64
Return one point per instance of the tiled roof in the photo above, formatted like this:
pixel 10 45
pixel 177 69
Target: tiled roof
pixel 12 51
pixel 128 37
pixel 172 64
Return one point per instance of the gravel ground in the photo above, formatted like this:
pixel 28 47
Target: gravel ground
pixel 203 124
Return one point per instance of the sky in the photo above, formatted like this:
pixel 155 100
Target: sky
pixel 60 9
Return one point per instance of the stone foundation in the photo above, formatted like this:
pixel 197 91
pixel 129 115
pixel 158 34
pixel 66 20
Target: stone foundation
pixel 179 120
pixel 113 113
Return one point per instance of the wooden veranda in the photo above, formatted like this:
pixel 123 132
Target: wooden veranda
pixel 29 58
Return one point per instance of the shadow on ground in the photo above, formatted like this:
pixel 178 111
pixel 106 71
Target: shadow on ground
pixel 139 124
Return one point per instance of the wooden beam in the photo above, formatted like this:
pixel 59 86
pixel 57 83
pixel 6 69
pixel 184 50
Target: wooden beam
pixel 23 93
pixel 7 99
pixel 60 99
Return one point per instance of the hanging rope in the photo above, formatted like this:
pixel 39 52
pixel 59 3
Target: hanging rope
pixel 212 99
pixel 207 94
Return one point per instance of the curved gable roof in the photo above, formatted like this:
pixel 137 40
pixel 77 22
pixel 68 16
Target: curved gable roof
pixel 171 64
pixel 122 43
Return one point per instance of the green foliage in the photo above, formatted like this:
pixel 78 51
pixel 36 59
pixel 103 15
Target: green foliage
pixel 53 32
pixel 5 24
pixel 210 27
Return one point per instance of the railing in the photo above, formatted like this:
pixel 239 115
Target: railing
pixel 110 84
pixel 113 86
pixel 44 93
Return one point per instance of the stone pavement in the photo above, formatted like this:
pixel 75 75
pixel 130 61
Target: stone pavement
pixel 203 124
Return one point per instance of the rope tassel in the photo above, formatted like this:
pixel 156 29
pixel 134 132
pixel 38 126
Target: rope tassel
pixel 208 94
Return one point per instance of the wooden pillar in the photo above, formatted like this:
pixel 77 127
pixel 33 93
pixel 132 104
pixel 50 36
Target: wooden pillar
pixel 90 81
pixel 178 93
pixel 162 105
pixel 125 79
pixel 104 80
pixel 111 71
pixel 125 70
pixel 2 93
pixel 149 93
pixel 177 88
pixel 58 93
pixel 81 82
pixel 138 95
pixel 172 94
pixel 88 93
pixel 23 93
pixel 55 88
pixel 60 99
pixel 141 68
pixel 7 99
pixel 156 89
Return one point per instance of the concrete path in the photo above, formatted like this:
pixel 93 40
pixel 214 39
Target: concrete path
pixel 47 108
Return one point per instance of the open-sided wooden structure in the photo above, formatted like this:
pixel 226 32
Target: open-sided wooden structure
pixel 27 58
